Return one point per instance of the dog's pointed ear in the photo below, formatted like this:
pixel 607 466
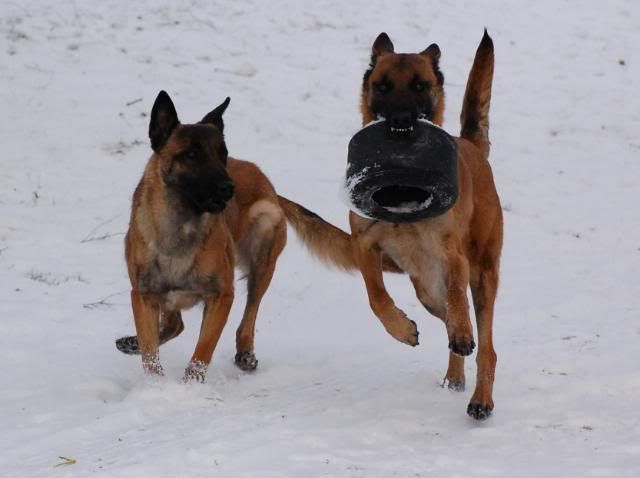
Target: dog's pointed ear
pixel 215 116
pixel 164 119
pixel 381 46
pixel 432 52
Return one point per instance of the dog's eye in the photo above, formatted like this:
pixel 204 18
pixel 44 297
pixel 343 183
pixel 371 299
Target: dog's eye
pixel 189 154
pixel 383 87
pixel 421 86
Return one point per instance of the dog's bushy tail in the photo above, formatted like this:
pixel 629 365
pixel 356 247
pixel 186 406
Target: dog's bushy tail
pixel 327 242
pixel 474 119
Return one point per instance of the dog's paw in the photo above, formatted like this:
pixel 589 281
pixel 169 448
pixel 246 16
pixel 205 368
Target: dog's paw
pixel 457 385
pixel 151 364
pixel 406 331
pixel 246 361
pixel 195 372
pixel 479 411
pixel 461 344
pixel 128 345
pixel 413 334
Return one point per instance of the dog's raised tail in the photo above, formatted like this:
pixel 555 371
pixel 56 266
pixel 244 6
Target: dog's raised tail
pixel 474 119
pixel 327 242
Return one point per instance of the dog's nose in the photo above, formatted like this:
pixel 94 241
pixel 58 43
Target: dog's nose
pixel 226 190
pixel 402 121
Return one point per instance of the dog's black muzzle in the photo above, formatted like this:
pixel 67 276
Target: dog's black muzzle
pixel 204 194
pixel 218 197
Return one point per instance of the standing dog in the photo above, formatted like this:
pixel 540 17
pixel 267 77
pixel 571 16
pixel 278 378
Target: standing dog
pixel 443 255
pixel 195 215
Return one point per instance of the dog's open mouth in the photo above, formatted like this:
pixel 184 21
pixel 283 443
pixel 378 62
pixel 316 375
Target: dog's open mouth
pixel 402 199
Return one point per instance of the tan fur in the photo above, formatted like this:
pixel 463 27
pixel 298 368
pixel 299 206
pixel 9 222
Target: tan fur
pixel 401 71
pixel 325 241
pixel 195 260
pixel 443 255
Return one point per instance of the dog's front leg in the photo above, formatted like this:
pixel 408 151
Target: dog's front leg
pixel 146 315
pixel 395 321
pixel 458 324
pixel 214 318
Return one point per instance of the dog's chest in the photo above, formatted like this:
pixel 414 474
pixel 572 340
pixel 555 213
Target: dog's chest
pixel 175 271
pixel 172 273
pixel 416 251
pixel 175 281
pixel 179 239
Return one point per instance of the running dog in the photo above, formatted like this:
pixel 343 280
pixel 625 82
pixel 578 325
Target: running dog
pixel 445 255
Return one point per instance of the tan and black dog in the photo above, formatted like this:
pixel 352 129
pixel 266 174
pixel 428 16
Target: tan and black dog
pixel 443 256
pixel 197 214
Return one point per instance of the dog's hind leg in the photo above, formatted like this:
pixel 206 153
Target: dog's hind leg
pixel 484 286
pixel 432 298
pixel 171 326
pixel 454 379
pixel 459 328
pixel 264 243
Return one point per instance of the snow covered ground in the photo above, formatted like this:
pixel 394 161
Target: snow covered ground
pixel 334 395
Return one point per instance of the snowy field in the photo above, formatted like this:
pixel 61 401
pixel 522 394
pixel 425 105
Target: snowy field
pixel 334 395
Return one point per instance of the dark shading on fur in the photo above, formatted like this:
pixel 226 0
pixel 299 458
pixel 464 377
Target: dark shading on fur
pixel 164 120
pixel 474 118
